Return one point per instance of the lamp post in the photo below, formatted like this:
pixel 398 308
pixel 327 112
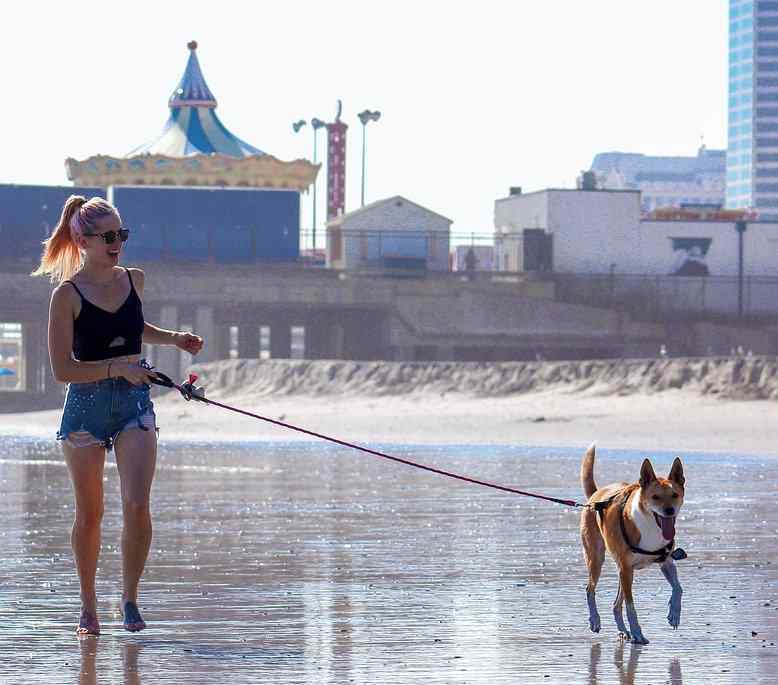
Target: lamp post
pixel 366 116
pixel 740 227
pixel 316 124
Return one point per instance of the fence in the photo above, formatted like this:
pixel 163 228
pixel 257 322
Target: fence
pixel 653 297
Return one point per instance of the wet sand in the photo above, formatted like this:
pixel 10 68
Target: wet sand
pixel 302 563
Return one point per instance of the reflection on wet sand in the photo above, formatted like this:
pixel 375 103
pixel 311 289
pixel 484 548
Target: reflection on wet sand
pixel 628 675
pixel 303 564
pixel 91 674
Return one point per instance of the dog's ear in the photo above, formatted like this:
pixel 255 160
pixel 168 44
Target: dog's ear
pixel 647 474
pixel 676 473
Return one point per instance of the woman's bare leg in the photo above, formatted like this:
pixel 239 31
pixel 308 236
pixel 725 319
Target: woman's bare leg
pixel 136 456
pixel 86 466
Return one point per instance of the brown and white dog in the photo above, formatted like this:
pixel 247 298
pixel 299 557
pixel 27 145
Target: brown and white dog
pixel 635 522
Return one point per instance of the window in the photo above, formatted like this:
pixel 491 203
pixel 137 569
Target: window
pixel 233 342
pixel 298 342
pixel 11 357
pixel 264 342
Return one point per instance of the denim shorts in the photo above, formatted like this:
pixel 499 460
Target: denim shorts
pixel 96 413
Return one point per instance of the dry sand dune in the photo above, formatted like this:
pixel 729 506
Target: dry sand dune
pixel 738 378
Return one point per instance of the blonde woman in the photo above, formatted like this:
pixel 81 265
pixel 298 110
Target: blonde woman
pixel 96 328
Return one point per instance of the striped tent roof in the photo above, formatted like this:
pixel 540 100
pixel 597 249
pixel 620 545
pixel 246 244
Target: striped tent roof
pixel 193 127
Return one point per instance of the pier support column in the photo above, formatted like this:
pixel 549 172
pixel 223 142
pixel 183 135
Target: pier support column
pixel 205 327
pixel 280 339
pixel 32 357
pixel 167 356
pixel 337 335
pixel 248 340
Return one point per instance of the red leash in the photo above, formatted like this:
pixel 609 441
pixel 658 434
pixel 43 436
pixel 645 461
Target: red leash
pixel 189 392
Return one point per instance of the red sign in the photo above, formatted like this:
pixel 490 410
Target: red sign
pixel 336 169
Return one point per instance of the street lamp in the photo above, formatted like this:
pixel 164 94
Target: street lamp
pixel 366 116
pixel 316 124
pixel 741 227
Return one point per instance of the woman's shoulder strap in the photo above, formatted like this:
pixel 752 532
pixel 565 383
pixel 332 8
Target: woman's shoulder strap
pixel 129 275
pixel 76 287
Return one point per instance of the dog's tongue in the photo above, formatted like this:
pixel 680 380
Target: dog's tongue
pixel 667 524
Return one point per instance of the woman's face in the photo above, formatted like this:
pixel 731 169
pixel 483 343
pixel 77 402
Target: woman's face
pixel 97 250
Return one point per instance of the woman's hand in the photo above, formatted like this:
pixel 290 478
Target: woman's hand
pixel 134 373
pixel 188 342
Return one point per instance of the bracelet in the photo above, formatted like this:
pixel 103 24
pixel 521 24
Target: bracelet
pixel 109 369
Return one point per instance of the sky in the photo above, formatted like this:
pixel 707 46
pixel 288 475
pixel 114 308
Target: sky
pixel 475 96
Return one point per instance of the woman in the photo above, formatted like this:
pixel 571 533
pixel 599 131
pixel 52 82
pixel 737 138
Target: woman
pixel 96 328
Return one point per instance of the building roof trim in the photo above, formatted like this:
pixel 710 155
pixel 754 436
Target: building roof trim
pixel 380 203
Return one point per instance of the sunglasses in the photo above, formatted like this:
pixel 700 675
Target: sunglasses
pixel 111 236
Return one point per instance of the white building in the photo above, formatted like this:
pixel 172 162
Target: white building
pixel 394 233
pixel 665 181
pixel 603 232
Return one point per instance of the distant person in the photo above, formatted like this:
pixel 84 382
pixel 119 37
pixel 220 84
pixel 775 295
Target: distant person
pixel 96 328
pixel 663 351
pixel 471 261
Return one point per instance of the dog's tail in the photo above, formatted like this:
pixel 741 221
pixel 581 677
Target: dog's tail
pixel 587 472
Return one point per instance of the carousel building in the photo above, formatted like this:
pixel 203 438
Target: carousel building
pixel 194 149
pixel 196 192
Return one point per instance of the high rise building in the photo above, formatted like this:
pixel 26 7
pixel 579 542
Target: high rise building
pixel 664 181
pixel 752 149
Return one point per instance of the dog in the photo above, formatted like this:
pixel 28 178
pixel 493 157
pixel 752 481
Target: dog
pixel 635 522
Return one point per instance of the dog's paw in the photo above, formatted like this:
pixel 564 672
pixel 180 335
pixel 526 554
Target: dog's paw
pixel 594 623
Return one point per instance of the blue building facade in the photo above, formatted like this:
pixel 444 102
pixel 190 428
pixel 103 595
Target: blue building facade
pixel 219 225
pixel 741 141
pixel 752 149
pixel 28 215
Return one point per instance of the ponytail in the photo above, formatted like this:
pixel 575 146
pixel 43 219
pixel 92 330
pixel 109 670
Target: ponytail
pixel 61 254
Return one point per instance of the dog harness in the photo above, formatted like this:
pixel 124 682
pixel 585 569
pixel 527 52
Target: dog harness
pixel 661 554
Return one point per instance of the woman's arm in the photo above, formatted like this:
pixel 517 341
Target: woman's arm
pixel 153 335
pixel 63 366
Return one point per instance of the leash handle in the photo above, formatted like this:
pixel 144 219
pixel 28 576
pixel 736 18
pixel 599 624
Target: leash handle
pixel 163 380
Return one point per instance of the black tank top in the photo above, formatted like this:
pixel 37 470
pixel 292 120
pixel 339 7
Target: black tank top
pixel 99 334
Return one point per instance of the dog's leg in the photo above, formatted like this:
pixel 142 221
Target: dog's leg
pixel 594 553
pixel 625 579
pixel 618 614
pixel 670 572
